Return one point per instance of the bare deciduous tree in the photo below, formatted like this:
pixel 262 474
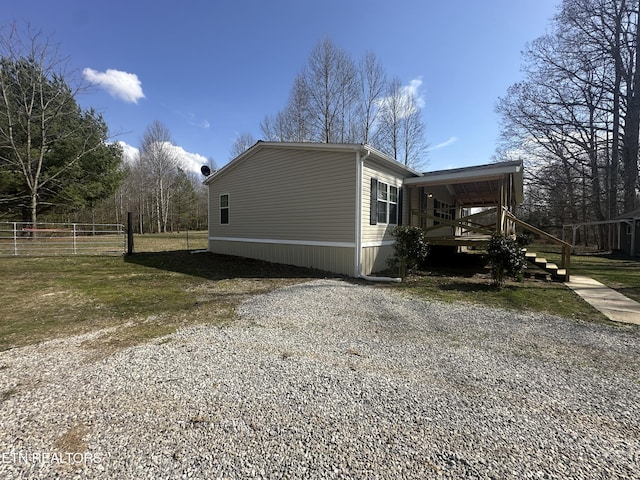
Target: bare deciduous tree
pixel 330 79
pixel 242 143
pixel 372 84
pixel 579 106
pixel 400 129
pixel 160 166
pixel 333 100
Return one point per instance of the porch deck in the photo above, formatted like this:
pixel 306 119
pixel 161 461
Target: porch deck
pixel 464 207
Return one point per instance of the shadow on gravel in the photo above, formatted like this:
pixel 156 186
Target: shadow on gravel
pixel 219 267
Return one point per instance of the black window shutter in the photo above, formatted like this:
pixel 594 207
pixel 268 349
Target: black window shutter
pixel 373 215
pixel 400 197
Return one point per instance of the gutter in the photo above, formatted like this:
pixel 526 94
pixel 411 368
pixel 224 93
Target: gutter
pixel 358 256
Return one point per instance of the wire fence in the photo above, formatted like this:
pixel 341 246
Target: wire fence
pixel 171 241
pixel 43 239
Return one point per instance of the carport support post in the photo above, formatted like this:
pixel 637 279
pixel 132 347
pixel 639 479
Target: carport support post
pixel 129 234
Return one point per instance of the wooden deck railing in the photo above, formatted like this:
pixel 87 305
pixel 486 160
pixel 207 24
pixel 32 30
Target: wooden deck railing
pixel 464 223
pixel 468 225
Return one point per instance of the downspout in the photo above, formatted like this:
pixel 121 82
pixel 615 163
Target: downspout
pixel 358 256
pixel 358 214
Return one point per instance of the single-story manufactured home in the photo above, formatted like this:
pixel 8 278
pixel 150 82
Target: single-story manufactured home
pixel 334 206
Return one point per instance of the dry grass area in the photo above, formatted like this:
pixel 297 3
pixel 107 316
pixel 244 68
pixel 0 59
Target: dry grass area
pixel 144 295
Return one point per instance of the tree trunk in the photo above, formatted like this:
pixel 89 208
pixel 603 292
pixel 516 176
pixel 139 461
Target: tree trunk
pixel 632 128
pixel 34 211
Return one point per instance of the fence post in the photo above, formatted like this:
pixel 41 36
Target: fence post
pixel 15 238
pixel 129 234
pixel 75 251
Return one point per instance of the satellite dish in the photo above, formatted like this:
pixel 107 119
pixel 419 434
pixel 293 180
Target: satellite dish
pixel 206 171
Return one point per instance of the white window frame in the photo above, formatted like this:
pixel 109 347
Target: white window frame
pixel 385 203
pixel 395 203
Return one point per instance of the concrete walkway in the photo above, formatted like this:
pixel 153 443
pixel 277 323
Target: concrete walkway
pixel 612 304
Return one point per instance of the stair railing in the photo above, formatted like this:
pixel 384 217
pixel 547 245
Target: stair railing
pixel 566 247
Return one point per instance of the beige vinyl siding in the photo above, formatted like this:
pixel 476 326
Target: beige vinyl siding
pixel 412 202
pixel 289 206
pixel 377 241
pixel 288 194
pixel 332 259
pixel 381 232
pixel 374 259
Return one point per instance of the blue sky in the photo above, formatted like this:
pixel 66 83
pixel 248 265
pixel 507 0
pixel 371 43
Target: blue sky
pixel 210 70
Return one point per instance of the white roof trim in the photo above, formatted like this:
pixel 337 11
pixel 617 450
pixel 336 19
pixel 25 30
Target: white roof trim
pixel 460 175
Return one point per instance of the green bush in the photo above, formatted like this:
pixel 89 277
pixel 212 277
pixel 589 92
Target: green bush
pixel 506 259
pixel 410 249
pixel 523 239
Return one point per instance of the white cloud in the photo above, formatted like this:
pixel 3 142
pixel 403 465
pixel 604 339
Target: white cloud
pixel 129 152
pixel 190 162
pixel 409 98
pixel 446 143
pixel 194 121
pixel 123 85
pixel 413 90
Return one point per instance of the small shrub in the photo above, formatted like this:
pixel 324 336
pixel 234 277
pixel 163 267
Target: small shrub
pixel 506 259
pixel 523 239
pixel 410 249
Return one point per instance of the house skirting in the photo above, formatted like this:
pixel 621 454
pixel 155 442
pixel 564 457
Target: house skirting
pixel 336 257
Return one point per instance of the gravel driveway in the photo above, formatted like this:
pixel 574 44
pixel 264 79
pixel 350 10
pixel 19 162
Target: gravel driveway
pixel 332 379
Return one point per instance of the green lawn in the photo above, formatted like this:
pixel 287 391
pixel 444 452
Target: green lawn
pixel 466 278
pixel 619 272
pixel 165 286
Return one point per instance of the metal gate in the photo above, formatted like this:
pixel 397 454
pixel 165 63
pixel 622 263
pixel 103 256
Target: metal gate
pixel 20 238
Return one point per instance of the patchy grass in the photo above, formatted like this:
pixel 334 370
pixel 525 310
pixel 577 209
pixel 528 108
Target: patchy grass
pixel 465 278
pixel 147 294
pixel 153 293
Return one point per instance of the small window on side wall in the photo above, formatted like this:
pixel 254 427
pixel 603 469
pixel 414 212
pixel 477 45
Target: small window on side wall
pixel 224 209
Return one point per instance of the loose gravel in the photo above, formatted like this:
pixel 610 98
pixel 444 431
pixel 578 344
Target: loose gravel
pixel 332 379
